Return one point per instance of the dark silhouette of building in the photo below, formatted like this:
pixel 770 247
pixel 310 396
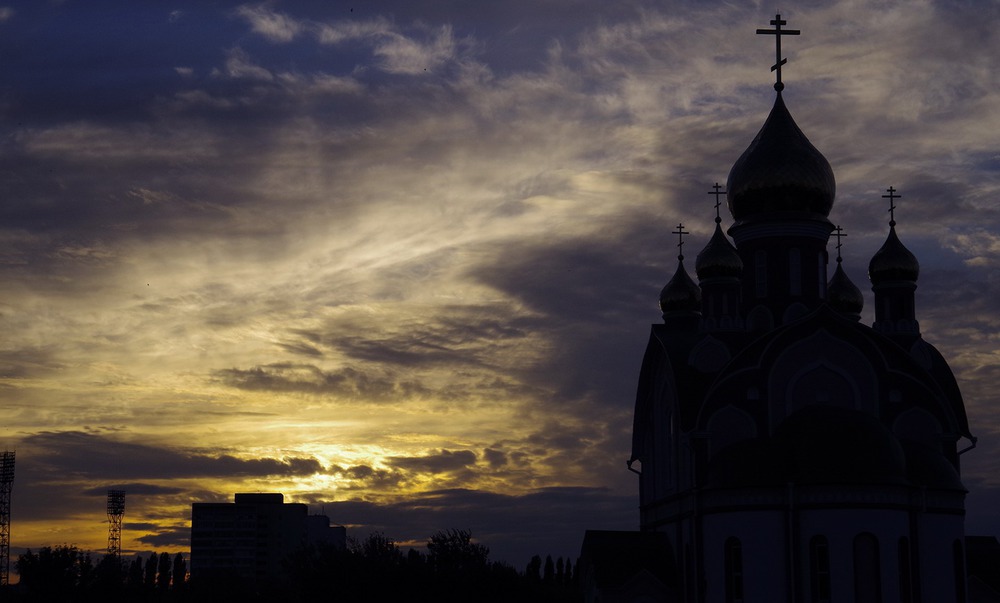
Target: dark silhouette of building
pixel 787 452
pixel 251 537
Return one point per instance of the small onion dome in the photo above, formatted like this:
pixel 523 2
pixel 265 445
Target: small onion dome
pixel 681 294
pixel 781 171
pixel 718 258
pixel 843 295
pixel 893 262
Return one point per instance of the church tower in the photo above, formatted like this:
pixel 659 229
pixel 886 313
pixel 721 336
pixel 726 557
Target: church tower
pixel 786 451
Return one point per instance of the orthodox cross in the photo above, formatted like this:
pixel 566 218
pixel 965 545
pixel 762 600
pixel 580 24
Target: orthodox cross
pixel 839 233
pixel 680 232
pixel 892 196
pixel 718 192
pixel 777 32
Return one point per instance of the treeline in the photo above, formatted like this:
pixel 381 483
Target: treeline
pixel 65 573
pixel 454 569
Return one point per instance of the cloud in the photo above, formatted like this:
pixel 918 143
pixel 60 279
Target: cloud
pixel 400 54
pixel 273 26
pixel 347 383
pixel 439 462
pixel 86 456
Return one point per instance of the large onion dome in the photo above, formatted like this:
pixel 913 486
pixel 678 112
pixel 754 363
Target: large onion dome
pixel 893 261
pixel 681 294
pixel 781 171
pixel 719 258
pixel 843 295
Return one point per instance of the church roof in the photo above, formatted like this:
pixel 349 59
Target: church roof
pixel 719 258
pixel 681 294
pixel 893 261
pixel 876 364
pixel 781 171
pixel 842 294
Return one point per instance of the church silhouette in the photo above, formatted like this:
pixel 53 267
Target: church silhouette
pixel 787 452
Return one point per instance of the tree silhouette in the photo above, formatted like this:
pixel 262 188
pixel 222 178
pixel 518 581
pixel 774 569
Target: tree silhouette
pixel 150 576
pixel 163 572
pixel 179 571
pixel 54 573
pixel 135 574
pixel 453 551
pixel 534 569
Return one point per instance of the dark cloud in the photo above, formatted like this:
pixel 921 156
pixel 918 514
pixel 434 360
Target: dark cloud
pixel 178 538
pixel 495 458
pixel 348 383
pixel 136 488
pixel 27 363
pixel 439 462
pixel 75 455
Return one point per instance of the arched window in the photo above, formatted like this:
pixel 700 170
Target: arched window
pixel 905 572
pixel 819 569
pixel 734 570
pixel 760 267
pixel 959 556
pixel 821 271
pixel 794 272
pixel 867 569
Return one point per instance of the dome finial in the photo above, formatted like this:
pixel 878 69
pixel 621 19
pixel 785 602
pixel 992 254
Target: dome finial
pixel 842 294
pixel 892 196
pixel 681 296
pixel 680 232
pixel 839 233
pixel 719 258
pixel 777 32
pixel 893 261
pixel 718 192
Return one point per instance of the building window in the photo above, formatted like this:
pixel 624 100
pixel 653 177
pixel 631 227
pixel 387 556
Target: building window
pixel 959 555
pixel 867 569
pixel 760 264
pixel 821 272
pixel 905 572
pixel 734 570
pixel 794 272
pixel 819 569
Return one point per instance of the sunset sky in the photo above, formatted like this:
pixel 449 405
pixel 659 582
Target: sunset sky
pixel 398 259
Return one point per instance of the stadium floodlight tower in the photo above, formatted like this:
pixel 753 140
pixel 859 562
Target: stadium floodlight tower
pixel 6 481
pixel 116 510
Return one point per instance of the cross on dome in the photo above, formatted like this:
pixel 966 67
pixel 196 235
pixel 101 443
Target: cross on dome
pixel 777 32
pixel 839 233
pixel 680 232
pixel 718 192
pixel 892 196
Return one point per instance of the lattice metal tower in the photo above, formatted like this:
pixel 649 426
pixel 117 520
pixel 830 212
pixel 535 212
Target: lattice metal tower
pixel 116 510
pixel 6 481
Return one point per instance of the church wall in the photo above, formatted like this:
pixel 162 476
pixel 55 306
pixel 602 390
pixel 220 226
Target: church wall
pixel 938 534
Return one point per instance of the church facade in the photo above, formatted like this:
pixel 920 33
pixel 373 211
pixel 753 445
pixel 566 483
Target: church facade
pixel 786 451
